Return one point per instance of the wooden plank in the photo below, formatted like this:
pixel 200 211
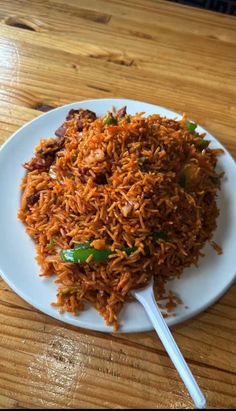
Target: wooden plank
pixel 45 84
pixel 47 15
pixel 48 353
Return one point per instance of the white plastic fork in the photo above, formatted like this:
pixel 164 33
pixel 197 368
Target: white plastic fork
pixel 146 297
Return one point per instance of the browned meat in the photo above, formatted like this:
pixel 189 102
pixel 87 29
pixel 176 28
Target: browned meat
pixel 100 179
pixel 39 163
pixel 81 113
pixel 31 200
pixel 45 156
pixel 61 131
pixel 121 113
pixel 53 147
pixel 82 117
pixel 72 113
pixel 80 124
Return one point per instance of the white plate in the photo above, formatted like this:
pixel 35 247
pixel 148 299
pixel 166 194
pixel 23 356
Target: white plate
pixel 197 287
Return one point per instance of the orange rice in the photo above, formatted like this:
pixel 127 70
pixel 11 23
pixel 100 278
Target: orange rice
pixel 116 185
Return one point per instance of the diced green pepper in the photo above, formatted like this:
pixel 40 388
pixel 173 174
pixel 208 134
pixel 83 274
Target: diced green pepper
pixel 182 180
pixel 191 126
pixel 109 119
pixel 51 243
pixel 128 250
pixel 143 162
pixel 201 145
pixel 65 291
pixel 83 252
pixel 81 255
pixel 159 235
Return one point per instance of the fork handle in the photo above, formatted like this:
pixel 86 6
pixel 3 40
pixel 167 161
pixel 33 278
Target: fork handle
pixel 147 299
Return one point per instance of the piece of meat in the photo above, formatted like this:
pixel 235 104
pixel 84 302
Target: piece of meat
pixel 32 199
pixel 39 163
pixel 80 124
pixel 45 156
pixel 81 113
pixel 100 179
pixel 121 113
pixel 82 116
pixel 61 131
pixel 71 114
pixel 52 148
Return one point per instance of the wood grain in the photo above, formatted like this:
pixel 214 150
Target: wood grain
pixel 160 52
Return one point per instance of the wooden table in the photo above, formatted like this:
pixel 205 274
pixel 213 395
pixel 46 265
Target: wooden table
pixel 54 52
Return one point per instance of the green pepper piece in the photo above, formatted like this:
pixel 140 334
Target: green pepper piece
pixel 191 126
pixel 159 235
pixel 182 181
pixel 110 119
pixel 201 145
pixel 65 291
pixel 80 255
pixel 143 162
pixel 128 250
pixel 51 243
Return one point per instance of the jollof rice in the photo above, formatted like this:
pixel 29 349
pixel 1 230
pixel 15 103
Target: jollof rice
pixel 115 182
